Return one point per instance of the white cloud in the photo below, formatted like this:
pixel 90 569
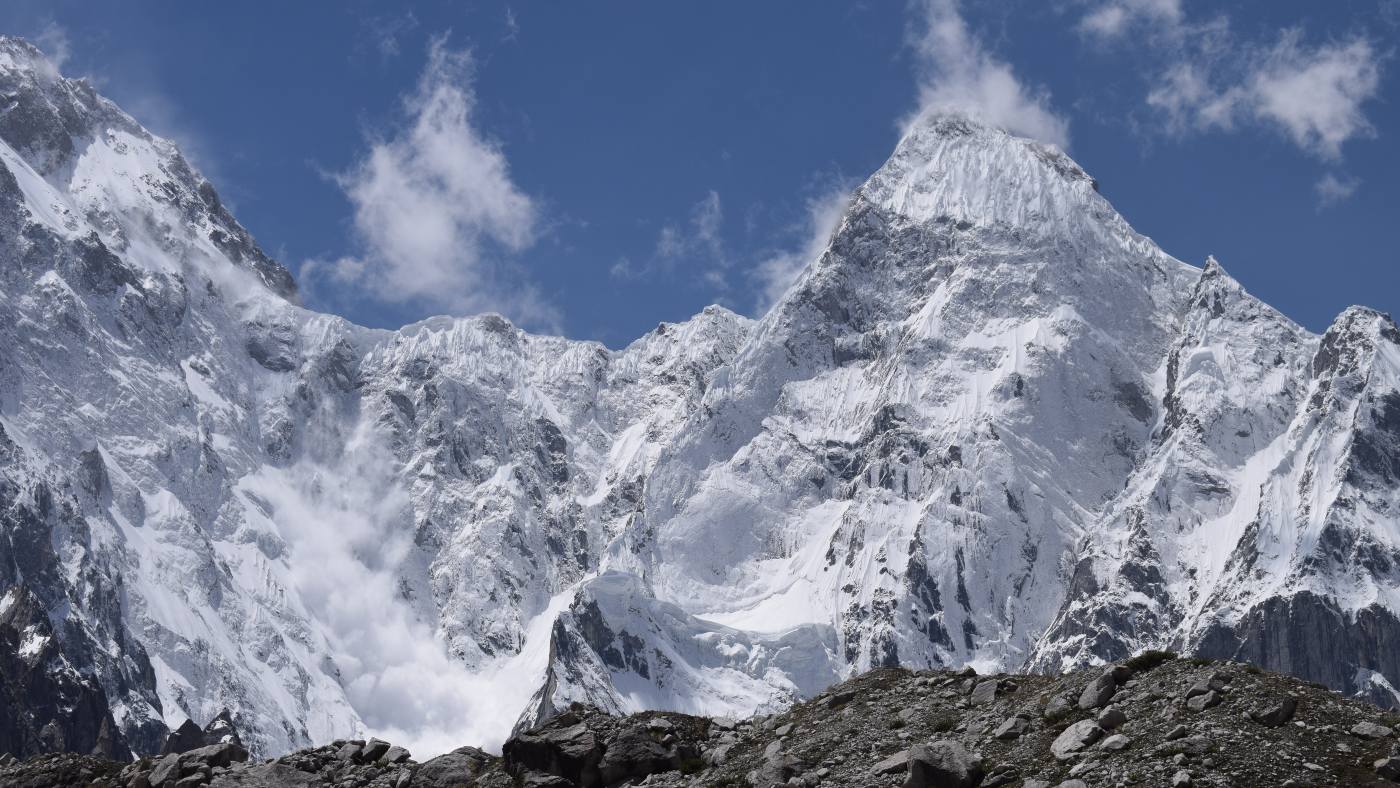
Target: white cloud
pixel 1332 189
pixel 700 236
pixel 385 32
pixel 777 272
pixel 52 39
pixel 435 208
pixel 957 74
pixel 697 241
pixel 1207 77
pixel 1315 95
pixel 1114 18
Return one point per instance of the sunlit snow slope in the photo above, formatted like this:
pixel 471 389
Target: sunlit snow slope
pixel 990 425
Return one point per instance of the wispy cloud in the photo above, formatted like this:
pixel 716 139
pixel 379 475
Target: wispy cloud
pixel 1332 189
pixel 386 33
pixel 1313 95
pixel 958 74
pixel 1112 19
pixel 52 39
pixel 1205 76
pixel 777 272
pixel 697 242
pixel 436 211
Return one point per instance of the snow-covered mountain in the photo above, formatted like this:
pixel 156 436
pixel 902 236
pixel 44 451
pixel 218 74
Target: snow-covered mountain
pixel 990 425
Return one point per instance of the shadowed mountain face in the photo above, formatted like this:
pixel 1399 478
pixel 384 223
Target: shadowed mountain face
pixel 990 425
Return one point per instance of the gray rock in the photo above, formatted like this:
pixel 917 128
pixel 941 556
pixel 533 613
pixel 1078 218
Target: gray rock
pixel 167 770
pixel 1111 717
pixel 1199 703
pixel 266 775
pixel 1182 779
pixel 373 750
pixel 1179 732
pixel 565 747
pixel 1075 783
pixel 349 751
pixel 451 770
pixel 1012 728
pixel 1098 693
pixel 985 692
pixel 397 754
pixel 1371 730
pixel 895 764
pixel 216 755
pixel 943 764
pixel 1075 739
pixel 1275 712
pixel 1115 743
pixel 635 754
pixel 1057 708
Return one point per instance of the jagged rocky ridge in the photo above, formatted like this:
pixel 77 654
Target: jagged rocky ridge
pixel 1154 720
pixel 991 425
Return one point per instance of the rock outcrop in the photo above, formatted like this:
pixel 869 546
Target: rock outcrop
pixel 890 727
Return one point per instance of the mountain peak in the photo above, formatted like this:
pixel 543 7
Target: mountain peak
pixel 18 55
pixel 950 168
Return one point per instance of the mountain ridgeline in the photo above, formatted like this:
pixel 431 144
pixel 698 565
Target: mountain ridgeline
pixel 990 426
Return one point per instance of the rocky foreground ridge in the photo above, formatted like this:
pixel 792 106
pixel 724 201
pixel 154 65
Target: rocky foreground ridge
pixel 1154 720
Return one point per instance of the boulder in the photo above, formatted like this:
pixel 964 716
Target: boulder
pixel 635 754
pixel 1099 692
pixel 1057 708
pixel 985 692
pixel 1115 743
pixel 166 770
pixel 373 750
pixel 1111 717
pixel 1075 739
pixel 1012 728
pixel 1207 700
pixel 943 764
pixel 266 775
pixel 895 764
pixel 396 754
pixel 452 769
pixel 216 755
pixel 1275 712
pixel 565 747
pixel 1371 730
pixel 188 736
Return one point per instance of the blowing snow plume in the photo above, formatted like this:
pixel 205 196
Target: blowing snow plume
pixel 957 74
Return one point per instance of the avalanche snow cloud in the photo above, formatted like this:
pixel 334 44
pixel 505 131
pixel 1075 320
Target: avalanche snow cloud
pixel 987 424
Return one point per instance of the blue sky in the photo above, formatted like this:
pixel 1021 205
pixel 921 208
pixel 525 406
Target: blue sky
pixel 595 168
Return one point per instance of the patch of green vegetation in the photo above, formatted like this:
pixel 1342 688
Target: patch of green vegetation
pixel 944 723
pixel 733 781
pixel 897 723
pixel 692 765
pixel 1147 660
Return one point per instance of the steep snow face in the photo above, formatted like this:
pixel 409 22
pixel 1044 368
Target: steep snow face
pixel 917 434
pixel 232 501
pixel 990 425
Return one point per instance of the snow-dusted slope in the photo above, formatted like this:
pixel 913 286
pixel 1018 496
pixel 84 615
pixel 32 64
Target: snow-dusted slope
pixel 990 425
